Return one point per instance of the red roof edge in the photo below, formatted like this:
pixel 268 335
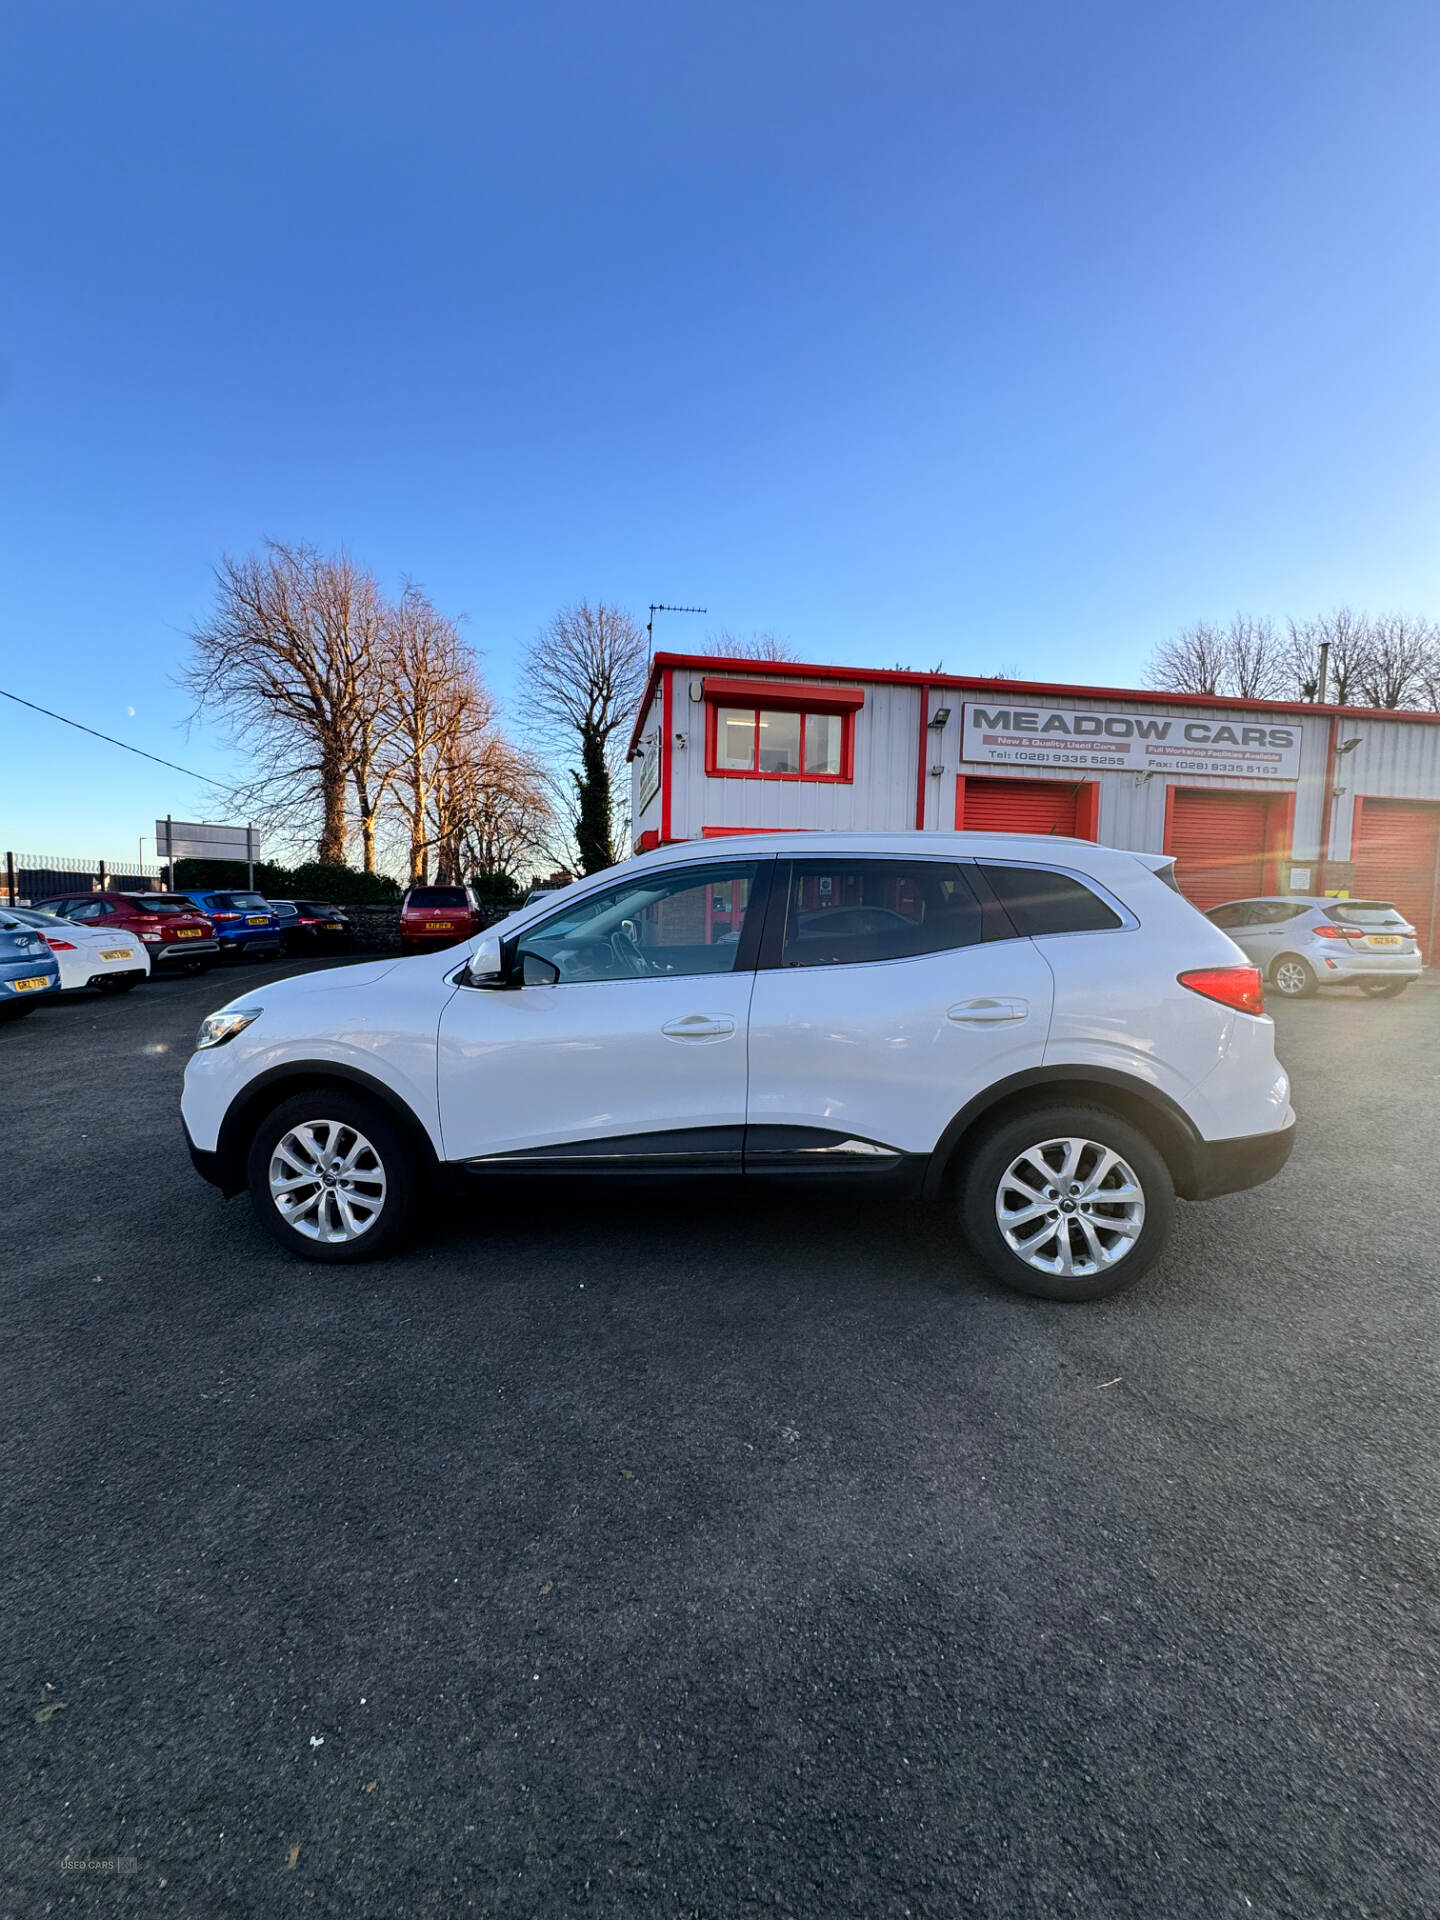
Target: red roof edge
pixel 1029 689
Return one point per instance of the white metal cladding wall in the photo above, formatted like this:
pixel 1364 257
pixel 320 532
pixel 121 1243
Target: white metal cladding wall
pixel 880 798
pixel 642 818
pixel 1132 805
pixel 1395 760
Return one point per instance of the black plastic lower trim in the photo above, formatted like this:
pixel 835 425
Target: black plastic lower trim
pixel 1233 1166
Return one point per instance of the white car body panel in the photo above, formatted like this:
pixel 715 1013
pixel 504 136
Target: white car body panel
pixel 590 1060
pixel 890 1051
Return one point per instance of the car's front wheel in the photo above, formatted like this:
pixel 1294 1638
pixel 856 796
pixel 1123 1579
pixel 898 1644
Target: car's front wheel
pixel 332 1177
pixel 1067 1202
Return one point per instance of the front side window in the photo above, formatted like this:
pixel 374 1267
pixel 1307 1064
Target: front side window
pixel 769 740
pixel 1040 901
pixel 661 924
pixel 845 912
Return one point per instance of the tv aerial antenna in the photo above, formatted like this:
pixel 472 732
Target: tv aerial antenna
pixel 659 607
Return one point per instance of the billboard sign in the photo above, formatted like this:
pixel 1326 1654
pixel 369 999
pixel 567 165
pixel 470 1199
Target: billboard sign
pixel 1091 739
pixel 200 840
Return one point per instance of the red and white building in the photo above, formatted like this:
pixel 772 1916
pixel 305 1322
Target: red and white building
pixel 1251 797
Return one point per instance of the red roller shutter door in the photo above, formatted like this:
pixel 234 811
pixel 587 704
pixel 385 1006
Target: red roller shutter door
pixel 1219 841
pixel 1024 806
pixel 1396 851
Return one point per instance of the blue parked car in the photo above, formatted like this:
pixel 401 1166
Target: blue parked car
pixel 244 922
pixel 29 971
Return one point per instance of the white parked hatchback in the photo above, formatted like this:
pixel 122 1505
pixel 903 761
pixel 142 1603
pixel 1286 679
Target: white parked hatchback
pixel 1042 1035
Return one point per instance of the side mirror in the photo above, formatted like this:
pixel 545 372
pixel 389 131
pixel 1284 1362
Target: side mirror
pixel 485 966
pixel 537 971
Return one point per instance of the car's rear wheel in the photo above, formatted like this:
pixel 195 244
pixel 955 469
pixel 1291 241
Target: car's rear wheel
pixel 1383 989
pixel 1293 978
pixel 196 966
pixel 16 1009
pixel 1067 1202
pixel 122 983
pixel 332 1177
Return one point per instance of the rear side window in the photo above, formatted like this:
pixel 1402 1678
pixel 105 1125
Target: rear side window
pixel 437 897
pixel 1365 913
pixel 846 911
pixel 1040 901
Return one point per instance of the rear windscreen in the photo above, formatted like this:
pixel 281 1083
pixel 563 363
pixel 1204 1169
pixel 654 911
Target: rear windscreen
pixel 318 907
pixel 436 897
pixel 165 903
pixel 243 902
pixel 1366 913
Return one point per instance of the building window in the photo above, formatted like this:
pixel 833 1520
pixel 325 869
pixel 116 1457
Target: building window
pixel 773 743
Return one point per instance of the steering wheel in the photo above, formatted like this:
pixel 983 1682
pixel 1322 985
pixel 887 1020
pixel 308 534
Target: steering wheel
pixel 626 949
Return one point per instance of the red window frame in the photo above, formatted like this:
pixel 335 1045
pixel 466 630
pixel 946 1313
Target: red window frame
pixel 846 775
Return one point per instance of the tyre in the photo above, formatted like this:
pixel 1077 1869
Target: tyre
pixel 1067 1202
pixel 121 985
pixel 1293 978
pixel 196 966
pixel 1383 989
pixel 332 1177
pixel 15 1009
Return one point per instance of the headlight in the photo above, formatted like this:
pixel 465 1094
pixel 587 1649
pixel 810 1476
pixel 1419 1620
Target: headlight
pixel 217 1028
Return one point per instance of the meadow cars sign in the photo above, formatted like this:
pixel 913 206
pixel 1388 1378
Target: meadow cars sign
pixel 1096 738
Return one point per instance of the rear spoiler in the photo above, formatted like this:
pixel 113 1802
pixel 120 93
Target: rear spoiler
pixel 1162 865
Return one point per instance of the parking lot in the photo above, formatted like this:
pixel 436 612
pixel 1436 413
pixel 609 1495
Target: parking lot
pixel 711 1557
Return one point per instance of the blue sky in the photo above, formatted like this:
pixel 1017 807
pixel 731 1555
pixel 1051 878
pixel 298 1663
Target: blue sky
pixel 1004 336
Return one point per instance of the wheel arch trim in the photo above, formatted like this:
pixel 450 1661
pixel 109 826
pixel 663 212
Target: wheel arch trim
pixel 1166 1123
pixel 266 1091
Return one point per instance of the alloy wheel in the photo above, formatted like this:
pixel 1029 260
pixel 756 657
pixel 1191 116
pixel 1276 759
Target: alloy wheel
pixel 327 1181
pixel 1070 1206
pixel 1292 977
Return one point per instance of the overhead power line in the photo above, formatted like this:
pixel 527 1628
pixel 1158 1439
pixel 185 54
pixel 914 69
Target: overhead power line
pixel 189 772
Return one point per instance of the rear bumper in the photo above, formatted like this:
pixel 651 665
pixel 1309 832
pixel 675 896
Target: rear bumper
pixel 1363 966
pixel 1230 1166
pixel 183 950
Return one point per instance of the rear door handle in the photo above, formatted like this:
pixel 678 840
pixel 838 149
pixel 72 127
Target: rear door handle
pixel 699 1026
pixel 986 1012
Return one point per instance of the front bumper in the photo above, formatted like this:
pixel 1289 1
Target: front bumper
pixel 1232 1166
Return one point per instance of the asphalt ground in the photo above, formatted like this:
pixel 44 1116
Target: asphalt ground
pixel 714 1557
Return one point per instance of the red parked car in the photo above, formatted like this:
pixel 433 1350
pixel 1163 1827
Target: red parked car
pixel 174 932
pixel 437 917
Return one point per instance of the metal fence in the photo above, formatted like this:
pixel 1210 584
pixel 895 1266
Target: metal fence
pixel 34 876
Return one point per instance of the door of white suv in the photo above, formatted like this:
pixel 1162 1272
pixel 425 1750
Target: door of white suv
pixel 880 1009
pixel 627 1042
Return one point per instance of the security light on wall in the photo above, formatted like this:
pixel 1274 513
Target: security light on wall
pixel 939 717
pixel 1349 746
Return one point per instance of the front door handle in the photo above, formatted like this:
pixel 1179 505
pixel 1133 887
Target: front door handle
pixel 986 1012
pixel 699 1026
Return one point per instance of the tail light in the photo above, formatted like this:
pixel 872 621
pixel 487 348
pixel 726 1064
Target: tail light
pixel 1339 933
pixel 217 917
pixel 1237 987
pixel 60 946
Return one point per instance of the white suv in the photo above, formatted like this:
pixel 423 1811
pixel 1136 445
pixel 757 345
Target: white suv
pixel 1042 1035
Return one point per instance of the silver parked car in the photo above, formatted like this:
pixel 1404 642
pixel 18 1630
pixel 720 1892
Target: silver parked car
pixel 1303 944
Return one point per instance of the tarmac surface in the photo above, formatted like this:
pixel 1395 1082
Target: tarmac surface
pixel 711 1556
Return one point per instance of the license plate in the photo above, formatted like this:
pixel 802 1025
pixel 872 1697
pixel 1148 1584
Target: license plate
pixel 258 920
pixel 116 953
pixel 37 985
pixel 1387 939
pixel 333 926
pixel 187 933
pixel 437 926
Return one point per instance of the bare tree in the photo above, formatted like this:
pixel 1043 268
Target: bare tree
pixel 1348 635
pixel 1255 665
pixel 1402 648
pixel 759 646
pixel 501 810
pixel 288 658
pixel 587 671
pixel 1193 662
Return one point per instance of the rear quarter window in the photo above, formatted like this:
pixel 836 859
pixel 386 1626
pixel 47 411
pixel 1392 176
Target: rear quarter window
pixel 1040 901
